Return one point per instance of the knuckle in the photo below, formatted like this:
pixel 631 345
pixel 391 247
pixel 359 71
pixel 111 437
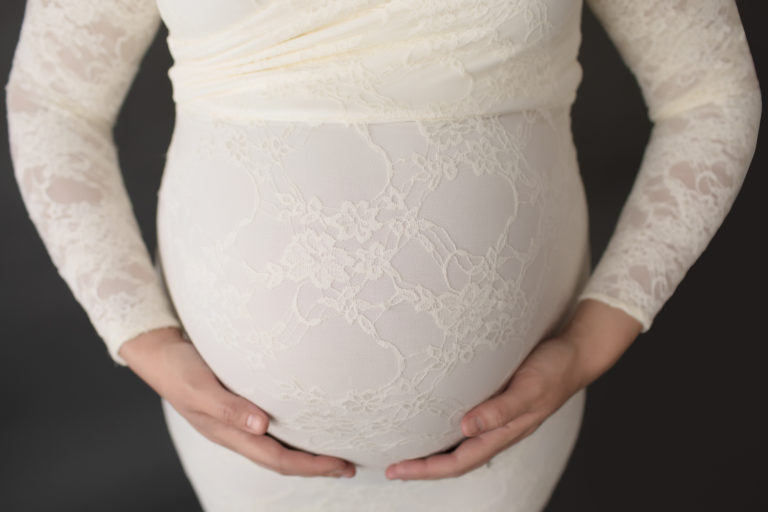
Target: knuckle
pixel 228 413
pixel 534 386
pixel 495 417
pixel 279 466
pixel 510 428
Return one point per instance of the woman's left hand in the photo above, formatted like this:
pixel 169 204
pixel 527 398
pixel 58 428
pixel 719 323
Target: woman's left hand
pixel 542 383
pixel 553 372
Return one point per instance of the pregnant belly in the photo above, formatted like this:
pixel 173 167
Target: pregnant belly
pixel 367 285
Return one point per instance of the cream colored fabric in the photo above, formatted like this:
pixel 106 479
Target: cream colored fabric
pixel 372 210
pixel 75 60
pixel 72 68
pixel 693 64
pixel 374 60
pixel 332 275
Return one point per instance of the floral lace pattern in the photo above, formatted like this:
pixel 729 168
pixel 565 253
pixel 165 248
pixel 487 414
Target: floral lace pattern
pixel 696 74
pixel 75 61
pixel 375 60
pixel 387 187
pixel 518 479
pixel 342 285
pixel 73 65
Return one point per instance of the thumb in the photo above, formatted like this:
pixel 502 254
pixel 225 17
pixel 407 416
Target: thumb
pixel 497 411
pixel 236 411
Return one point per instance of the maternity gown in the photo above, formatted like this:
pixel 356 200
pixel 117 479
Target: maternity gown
pixel 371 211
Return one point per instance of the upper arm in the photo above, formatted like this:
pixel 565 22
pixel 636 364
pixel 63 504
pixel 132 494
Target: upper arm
pixel 80 56
pixel 683 53
pixel 697 76
pixel 74 63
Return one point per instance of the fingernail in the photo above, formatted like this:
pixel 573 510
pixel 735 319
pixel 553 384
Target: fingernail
pixel 254 423
pixel 346 473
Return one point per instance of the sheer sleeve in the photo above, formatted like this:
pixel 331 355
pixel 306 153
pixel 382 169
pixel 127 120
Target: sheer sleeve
pixel 698 80
pixel 73 65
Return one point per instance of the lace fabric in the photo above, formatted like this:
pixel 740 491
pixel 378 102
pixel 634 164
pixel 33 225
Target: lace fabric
pixel 343 287
pixel 695 71
pixel 76 59
pixel 72 68
pixel 422 161
pixel 376 60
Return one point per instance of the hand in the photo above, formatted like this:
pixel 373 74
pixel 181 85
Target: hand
pixel 542 383
pixel 554 371
pixel 171 366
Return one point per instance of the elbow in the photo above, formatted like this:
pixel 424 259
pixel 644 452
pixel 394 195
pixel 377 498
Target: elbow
pixel 22 97
pixel 728 112
pixel 17 98
pixel 749 112
pixel 26 94
pixel 12 90
pixel 755 97
pixel 16 102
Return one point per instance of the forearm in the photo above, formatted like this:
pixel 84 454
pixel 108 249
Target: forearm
pixel 600 334
pixel 696 73
pixel 72 67
pixel 133 349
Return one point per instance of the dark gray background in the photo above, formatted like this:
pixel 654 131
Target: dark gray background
pixel 677 424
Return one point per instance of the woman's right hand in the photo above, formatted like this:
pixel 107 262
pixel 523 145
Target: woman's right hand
pixel 172 366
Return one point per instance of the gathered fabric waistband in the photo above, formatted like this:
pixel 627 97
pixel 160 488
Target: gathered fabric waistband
pixel 381 60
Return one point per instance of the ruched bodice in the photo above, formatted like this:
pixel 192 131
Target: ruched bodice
pixel 374 60
pixel 371 211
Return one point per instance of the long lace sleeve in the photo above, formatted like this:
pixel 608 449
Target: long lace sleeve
pixel 697 77
pixel 73 65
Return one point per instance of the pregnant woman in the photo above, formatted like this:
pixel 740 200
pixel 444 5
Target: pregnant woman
pixel 373 254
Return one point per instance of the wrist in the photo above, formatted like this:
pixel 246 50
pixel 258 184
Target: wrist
pixel 133 348
pixel 601 334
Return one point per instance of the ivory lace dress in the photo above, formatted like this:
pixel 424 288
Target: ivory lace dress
pixel 371 211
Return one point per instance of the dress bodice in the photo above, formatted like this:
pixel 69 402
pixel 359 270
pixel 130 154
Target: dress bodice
pixel 365 60
pixel 373 60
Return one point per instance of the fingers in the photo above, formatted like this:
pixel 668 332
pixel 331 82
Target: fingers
pixel 235 411
pixel 470 454
pixel 238 424
pixel 271 454
pixel 178 373
pixel 202 392
pixel 295 462
pixel 518 399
